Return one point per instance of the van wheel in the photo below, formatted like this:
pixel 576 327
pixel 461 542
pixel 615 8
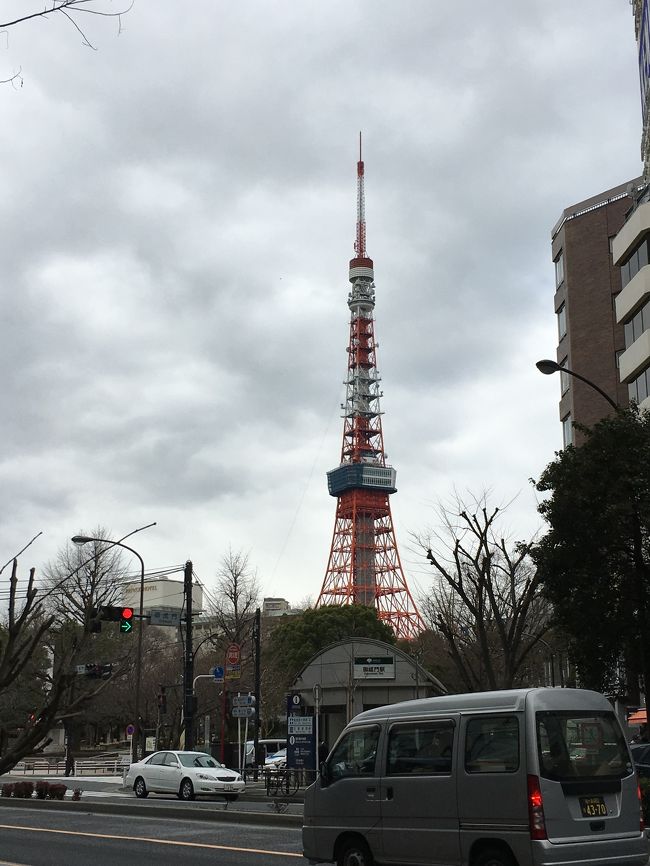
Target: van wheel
pixel 354 852
pixel 494 857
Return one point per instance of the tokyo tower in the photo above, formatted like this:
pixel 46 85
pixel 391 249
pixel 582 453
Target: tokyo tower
pixel 364 565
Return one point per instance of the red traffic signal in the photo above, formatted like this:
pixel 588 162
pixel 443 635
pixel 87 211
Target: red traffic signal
pixel 126 622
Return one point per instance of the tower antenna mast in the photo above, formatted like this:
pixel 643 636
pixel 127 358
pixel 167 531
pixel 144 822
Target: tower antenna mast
pixel 364 565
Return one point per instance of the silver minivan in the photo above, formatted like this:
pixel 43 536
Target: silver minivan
pixel 526 777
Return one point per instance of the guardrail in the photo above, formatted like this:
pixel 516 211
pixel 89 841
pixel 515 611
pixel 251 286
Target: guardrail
pixel 113 766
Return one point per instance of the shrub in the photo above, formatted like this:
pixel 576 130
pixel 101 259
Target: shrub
pixel 7 789
pixel 23 790
pixel 76 794
pixel 57 792
pixel 42 789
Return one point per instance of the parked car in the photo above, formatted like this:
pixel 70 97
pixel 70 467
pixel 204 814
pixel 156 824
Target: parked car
pixel 641 758
pixel 277 761
pixel 186 774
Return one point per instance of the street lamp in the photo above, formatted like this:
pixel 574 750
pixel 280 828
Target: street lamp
pixel 547 367
pixel 84 539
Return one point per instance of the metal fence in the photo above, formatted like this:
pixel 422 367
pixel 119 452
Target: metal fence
pixel 109 766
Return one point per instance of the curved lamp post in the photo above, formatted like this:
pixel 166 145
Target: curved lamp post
pixel 547 367
pixel 84 539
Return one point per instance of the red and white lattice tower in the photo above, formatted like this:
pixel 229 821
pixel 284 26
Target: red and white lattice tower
pixel 364 565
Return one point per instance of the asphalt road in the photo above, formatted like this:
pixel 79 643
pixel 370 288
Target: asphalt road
pixel 41 838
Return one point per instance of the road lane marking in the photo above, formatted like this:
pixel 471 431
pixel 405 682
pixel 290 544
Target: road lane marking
pixel 153 841
pixel 7 863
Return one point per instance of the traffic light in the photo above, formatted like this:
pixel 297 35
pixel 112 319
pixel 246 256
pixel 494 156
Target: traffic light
pixel 126 620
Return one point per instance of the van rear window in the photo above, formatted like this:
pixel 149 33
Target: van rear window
pixel 581 746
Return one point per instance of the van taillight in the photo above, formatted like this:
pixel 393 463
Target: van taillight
pixel 536 809
pixel 642 822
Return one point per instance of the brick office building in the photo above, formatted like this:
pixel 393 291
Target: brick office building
pixel 590 341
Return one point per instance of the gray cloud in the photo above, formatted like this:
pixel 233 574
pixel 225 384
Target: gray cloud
pixel 177 215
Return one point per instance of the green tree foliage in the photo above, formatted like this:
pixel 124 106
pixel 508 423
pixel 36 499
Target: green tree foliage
pixel 594 561
pixel 297 638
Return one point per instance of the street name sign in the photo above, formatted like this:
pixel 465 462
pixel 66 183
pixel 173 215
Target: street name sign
pixel 243 712
pixel 243 701
pixel 165 617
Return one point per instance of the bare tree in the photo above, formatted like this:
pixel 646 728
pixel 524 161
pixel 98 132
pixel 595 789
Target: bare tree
pixel 72 11
pixel 27 628
pixel 485 598
pixel 237 596
pixel 83 578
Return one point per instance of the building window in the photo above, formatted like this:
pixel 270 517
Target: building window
pixel 567 430
pixel 637 260
pixel 639 389
pixel 559 269
pixel 565 378
pixel 561 321
pixel 639 323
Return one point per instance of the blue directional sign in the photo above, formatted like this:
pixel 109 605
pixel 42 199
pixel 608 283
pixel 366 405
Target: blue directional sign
pixel 217 673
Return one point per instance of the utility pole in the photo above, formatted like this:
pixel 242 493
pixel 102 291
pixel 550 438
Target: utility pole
pixel 188 676
pixel 256 717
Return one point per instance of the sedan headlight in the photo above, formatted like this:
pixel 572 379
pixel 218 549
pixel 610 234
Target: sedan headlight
pixel 206 777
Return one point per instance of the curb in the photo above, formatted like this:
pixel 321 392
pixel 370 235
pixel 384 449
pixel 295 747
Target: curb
pixel 186 814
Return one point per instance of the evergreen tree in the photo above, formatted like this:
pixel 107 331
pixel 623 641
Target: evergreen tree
pixel 595 559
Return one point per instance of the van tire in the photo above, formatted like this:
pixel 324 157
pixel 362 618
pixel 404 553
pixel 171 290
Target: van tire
pixel 353 852
pixel 494 857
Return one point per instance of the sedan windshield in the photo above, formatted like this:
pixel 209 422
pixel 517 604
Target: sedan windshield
pixel 197 759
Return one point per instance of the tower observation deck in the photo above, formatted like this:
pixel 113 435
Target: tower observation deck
pixel 364 565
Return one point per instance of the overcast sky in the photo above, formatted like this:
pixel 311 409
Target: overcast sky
pixel 177 213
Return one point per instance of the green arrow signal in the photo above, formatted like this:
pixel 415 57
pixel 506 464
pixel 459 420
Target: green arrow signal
pixel 126 626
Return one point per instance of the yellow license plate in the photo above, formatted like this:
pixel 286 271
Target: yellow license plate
pixel 593 807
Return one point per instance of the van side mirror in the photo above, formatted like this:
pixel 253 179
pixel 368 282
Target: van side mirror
pixel 324 774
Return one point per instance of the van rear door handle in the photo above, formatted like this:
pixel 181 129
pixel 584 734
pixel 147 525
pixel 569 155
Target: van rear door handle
pixel 371 793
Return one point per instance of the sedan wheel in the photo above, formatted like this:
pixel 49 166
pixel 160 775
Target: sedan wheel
pixel 140 788
pixel 186 791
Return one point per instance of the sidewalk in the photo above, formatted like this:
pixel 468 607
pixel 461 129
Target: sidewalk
pixel 111 788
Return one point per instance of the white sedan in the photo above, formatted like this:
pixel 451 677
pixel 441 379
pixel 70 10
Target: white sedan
pixel 186 774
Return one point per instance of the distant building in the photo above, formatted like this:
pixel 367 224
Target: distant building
pixel 278 607
pixel 161 594
pixel 590 340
